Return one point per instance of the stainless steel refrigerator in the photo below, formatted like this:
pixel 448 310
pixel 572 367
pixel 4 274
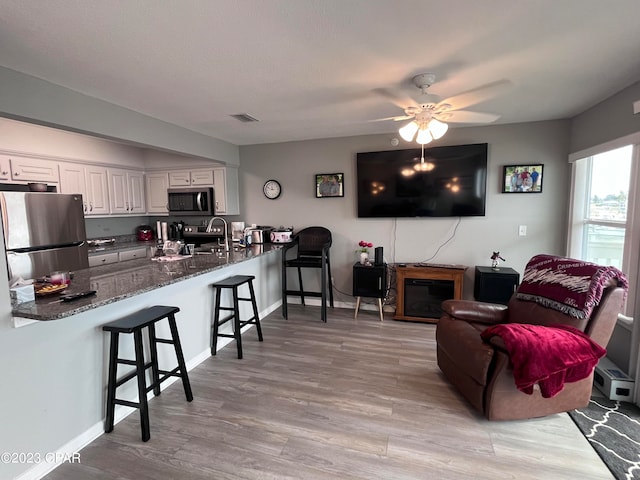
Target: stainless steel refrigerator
pixel 43 233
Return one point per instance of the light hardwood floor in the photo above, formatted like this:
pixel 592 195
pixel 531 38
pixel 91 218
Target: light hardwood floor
pixel 349 399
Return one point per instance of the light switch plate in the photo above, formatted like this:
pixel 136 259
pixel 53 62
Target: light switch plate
pixel 522 230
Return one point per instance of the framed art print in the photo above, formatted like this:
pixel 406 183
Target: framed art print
pixel 329 185
pixel 522 178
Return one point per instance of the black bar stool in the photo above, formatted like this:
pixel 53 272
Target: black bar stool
pixel 134 323
pixel 233 283
pixel 313 248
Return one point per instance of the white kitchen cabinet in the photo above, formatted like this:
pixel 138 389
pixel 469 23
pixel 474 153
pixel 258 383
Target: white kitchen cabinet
pixel 157 184
pixel 126 191
pixel 34 170
pixel 136 192
pixel 89 181
pixel 179 179
pixel 188 178
pixel 132 254
pixel 226 191
pixel 5 168
pixel 202 177
pixel 103 259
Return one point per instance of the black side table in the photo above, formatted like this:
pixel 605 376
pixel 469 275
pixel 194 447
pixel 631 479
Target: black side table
pixel 369 281
pixel 495 285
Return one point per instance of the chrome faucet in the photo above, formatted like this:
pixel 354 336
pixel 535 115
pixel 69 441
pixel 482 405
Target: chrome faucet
pixel 226 238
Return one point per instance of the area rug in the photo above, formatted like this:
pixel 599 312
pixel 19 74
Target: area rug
pixel 613 429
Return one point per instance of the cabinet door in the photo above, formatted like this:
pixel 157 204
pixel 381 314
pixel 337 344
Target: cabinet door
pixel 226 190
pixel 220 190
pixel 97 190
pixel 136 199
pixel 118 198
pixel 369 281
pixel 156 192
pixel 179 179
pixel 34 170
pixel 202 177
pixel 72 180
pixel 5 168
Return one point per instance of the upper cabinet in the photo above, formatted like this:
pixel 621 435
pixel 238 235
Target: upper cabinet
pixel 91 182
pixel 198 177
pixel 5 168
pixel 34 170
pixel 123 191
pixel 224 180
pixel 157 184
pixel 126 191
pixel 226 191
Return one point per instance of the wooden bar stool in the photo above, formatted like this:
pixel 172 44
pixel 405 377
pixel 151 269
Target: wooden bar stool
pixel 233 283
pixel 135 323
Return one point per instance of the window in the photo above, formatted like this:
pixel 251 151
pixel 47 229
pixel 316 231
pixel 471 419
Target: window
pixel 601 228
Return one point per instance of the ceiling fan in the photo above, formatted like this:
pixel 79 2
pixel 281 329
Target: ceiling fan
pixel 428 113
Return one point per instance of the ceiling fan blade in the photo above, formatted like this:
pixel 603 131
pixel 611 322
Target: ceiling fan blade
pixel 463 116
pixel 395 119
pixel 401 101
pixel 476 95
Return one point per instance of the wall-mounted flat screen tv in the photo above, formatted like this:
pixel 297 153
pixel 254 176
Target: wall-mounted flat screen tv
pixel 449 182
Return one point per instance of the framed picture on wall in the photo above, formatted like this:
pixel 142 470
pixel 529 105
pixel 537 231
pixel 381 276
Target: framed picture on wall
pixel 329 185
pixel 522 178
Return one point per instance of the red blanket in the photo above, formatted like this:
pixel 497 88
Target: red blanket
pixel 549 356
pixel 573 287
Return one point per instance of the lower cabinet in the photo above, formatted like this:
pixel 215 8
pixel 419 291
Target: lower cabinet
pixel 103 259
pixel 133 254
pixel 115 257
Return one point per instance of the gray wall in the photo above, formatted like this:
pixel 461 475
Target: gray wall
pixel 606 121
pixel 23 97
pixel 294 164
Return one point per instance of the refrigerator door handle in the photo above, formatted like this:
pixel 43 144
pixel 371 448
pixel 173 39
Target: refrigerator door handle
pixel 5 222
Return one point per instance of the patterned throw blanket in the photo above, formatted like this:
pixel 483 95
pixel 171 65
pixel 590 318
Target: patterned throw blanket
pixel 570 286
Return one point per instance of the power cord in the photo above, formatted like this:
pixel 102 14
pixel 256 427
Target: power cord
pixel 453 234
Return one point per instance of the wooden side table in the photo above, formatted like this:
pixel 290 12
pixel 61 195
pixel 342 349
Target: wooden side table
pixel 423 287
pixel 369 281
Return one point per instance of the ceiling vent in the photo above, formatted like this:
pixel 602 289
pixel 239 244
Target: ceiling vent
pixel 244 117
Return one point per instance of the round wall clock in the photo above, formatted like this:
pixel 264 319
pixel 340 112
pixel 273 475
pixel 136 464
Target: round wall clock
pixel 272 189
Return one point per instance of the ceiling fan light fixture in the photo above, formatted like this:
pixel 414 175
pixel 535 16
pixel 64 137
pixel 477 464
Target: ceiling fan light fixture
pixel 408 131
pixel 437 128
pixel 424 136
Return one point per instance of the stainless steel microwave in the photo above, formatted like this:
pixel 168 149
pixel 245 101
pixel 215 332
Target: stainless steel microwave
pixel 191 201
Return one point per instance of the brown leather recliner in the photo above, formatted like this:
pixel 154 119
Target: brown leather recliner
pixel 482 371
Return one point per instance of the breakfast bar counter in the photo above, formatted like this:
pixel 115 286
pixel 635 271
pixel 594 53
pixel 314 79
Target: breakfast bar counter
pixel 120 281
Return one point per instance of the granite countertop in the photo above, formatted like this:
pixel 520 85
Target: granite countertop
pixel 123 280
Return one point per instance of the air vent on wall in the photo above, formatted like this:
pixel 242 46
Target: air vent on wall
pixel 244 117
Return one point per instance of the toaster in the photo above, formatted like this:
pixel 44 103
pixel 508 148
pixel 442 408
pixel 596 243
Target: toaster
pixel 281 236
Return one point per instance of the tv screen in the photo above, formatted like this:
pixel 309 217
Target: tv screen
pixel 450 182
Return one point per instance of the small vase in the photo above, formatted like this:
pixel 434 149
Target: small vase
pixel 364 258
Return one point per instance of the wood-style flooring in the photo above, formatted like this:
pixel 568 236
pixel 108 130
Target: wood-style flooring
pixel 349 399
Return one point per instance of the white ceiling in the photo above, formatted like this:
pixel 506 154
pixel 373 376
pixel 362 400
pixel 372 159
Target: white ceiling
pixel 310 68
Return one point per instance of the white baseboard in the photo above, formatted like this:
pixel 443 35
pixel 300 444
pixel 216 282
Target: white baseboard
pixel 121 412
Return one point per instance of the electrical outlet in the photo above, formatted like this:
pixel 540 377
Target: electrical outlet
pixel 522 230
